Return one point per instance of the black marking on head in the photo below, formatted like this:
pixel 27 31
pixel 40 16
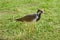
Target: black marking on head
pixel 39 11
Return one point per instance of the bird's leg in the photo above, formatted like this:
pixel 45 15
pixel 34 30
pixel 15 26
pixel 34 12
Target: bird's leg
pixel 31 27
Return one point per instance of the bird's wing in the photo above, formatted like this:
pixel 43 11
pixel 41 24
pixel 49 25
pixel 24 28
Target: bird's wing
pixel 28 18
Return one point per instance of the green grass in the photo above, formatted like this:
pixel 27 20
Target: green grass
pixel 47 28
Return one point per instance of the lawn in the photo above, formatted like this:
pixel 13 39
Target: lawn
pixel 47 28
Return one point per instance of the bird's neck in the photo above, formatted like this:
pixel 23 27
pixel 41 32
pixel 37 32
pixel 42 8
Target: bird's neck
pixel 39 14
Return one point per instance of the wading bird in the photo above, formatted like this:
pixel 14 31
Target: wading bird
pixel 32 17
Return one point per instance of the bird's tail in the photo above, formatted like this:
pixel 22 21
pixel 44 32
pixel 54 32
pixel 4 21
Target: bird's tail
pixel 17 19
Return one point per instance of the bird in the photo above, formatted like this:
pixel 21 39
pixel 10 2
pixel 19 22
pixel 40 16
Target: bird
pixel 31 17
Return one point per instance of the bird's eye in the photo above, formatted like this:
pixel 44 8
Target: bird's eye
pixel 41 11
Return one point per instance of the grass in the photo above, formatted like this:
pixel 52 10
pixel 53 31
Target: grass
pixel 47 28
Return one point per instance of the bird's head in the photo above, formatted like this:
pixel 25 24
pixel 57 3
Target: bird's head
pixel 39 11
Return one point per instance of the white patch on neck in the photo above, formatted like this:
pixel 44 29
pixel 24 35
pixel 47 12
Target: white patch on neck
pixel 35 19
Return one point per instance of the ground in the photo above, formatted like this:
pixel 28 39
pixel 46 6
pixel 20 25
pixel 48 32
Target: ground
pixel 47 28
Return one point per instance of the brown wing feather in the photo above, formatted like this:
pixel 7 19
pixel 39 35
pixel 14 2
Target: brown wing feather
pixel 27 18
